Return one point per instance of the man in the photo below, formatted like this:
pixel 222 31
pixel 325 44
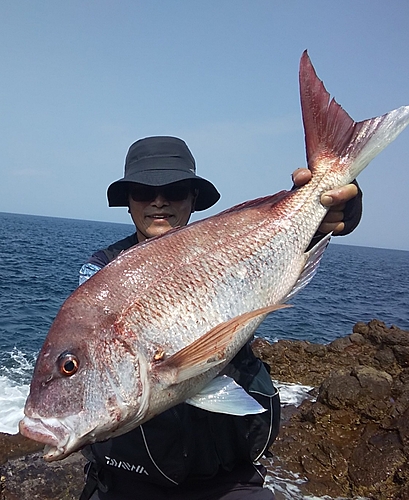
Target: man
pixel 185 452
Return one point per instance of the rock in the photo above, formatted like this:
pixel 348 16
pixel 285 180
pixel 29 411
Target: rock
pixel 374 462
pixel 31 477
pixel 354 439
pixel 16 445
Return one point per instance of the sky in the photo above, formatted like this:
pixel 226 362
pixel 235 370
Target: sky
pixel 81 80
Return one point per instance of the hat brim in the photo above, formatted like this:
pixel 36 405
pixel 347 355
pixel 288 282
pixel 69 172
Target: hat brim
pixel 118 191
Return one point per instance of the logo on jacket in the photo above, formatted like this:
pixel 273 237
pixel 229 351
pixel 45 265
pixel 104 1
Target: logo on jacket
pixel 119 464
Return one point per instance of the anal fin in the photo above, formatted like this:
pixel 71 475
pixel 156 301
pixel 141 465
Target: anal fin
pixel 312 262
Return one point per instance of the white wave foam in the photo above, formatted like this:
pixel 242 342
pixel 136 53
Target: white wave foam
pixel 12 399
pixel 292 394
pixel 15 373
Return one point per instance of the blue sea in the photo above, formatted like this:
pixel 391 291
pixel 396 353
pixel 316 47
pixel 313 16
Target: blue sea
pixel 40 258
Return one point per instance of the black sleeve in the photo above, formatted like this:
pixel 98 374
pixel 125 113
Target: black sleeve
pixel 98 259
pixel 352 212
pixel 103 257
pixel 352 217
pixel 252 434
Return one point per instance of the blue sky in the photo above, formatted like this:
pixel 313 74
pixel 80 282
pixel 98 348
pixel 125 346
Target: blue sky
pixel 81 80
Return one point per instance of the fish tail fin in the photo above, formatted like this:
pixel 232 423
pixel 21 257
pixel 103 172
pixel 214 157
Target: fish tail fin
pixel 332 135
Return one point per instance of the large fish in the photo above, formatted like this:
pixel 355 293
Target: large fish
pixel 159 323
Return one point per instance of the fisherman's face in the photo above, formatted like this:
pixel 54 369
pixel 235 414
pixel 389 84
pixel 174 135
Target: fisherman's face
pixel 156 210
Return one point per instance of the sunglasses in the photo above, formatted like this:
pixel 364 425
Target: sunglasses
pixel 170 193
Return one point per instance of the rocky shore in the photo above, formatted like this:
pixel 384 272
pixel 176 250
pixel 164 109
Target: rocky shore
pixel 351 439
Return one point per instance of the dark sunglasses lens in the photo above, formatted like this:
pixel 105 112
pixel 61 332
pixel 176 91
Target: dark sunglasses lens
pixel 170 193
pixel 175 193
pixel 145 193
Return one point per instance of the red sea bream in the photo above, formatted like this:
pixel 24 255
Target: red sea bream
pixel 158 324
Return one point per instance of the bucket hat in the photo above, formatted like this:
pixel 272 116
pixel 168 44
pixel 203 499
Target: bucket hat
pixel 157 161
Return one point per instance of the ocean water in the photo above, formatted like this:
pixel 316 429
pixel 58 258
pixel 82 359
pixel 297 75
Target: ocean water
pixel 39 262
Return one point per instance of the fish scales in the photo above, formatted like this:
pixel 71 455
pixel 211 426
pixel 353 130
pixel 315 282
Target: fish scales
pixel 158 323
pixel 175 297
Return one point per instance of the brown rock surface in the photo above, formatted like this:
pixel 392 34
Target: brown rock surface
pixel 24 475
pixel 29 477
pixel 352 440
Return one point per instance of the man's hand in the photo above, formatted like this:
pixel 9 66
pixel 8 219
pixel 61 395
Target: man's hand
pixel 335 199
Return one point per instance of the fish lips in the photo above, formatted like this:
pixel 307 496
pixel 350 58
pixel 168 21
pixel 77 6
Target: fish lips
pixel 49 431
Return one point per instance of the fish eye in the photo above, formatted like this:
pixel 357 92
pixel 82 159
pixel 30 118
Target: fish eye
pixel 68 364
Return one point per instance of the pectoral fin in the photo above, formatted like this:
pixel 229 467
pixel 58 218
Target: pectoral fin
pixel 209 350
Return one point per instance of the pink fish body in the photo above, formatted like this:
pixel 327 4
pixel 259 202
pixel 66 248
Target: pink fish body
pixel 160 322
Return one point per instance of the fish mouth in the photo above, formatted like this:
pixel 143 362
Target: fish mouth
pixel 58 437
